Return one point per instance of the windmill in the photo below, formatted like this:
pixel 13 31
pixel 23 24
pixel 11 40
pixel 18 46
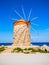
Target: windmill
pixel 22 29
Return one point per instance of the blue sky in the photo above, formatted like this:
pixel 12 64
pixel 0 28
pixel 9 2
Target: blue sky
pixel 40 9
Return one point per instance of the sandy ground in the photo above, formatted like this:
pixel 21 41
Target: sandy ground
pixel 24 59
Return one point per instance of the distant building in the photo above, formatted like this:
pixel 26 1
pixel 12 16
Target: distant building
pixel 22 33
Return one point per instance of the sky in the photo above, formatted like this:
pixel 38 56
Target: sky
pixel 40 9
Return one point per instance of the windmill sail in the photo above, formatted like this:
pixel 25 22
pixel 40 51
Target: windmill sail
pixel 20 29
pixel 35 24
pixel 24 37
pixel 21 35
pixel 14 19
pixel 18 14
pixel 24 13
pixel 34 18
pixel 34 30
pixel 29 14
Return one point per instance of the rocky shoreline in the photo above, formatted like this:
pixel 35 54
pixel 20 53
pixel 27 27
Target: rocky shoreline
pixel 24 49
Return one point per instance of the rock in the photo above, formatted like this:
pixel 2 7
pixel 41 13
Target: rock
pixel 45 48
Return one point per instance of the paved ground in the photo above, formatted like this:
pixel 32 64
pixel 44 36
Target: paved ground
pixel 24 59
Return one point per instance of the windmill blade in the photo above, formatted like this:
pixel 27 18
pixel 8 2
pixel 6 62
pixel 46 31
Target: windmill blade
pixel 34 24
pixel 34 30
pixel 14 19
pixel 24 36
pixel 34 18
pixel 21 35
pixel 20 28
pixel 29 14
pixel 23 12
pixel 18 14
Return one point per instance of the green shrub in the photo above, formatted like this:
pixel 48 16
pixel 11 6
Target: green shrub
pixel 26 52
pixel 2 49
pixel 39 50
pixel 32 50
pixel 42 51
pixel 47 51
pixel 17 49
pixel 25 49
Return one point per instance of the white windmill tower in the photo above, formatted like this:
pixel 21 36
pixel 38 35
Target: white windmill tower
pixel 22 30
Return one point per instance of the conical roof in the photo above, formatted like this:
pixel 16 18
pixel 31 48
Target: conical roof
pixel 21 21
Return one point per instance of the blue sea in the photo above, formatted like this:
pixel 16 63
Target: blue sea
pixel 33 43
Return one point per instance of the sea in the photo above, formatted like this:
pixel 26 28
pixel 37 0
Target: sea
pixel 33 43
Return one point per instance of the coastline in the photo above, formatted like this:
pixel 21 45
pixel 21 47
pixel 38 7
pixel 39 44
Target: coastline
pixel 24 49
pixel 33 43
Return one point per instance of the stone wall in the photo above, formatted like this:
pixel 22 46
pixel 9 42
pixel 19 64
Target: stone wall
pixel 21 35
